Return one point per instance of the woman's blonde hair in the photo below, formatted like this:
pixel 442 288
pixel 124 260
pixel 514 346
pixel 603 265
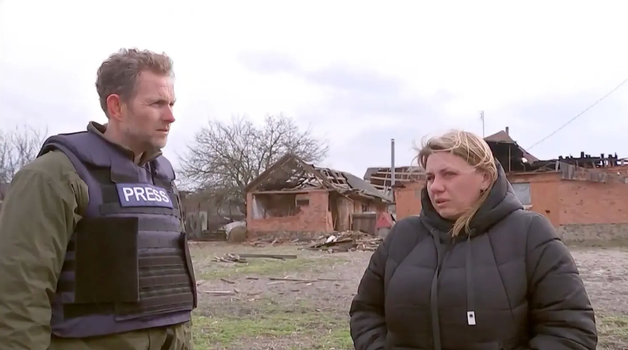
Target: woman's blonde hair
pixel 475 151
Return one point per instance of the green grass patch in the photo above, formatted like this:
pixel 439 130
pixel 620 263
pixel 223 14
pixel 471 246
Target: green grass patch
pixel 338 339
pixel 267 267
pixel 612 332
pixel 295 326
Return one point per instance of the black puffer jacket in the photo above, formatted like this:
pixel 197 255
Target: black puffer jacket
pixel 509 284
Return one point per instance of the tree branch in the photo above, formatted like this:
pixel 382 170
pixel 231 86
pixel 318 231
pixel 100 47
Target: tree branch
pixel 226 157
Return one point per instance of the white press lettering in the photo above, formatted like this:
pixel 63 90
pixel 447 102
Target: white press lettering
pixel 139 193
pixel 151 195
pixel 143 193
pixel 128 192
pixel 164 196
pixel 157 195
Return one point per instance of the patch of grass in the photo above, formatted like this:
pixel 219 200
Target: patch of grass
pixel 613 332
pixel 267 267
pixel 339 339
pixel 294 326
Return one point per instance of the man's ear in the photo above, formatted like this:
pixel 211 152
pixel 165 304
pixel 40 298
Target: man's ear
pixel 114 106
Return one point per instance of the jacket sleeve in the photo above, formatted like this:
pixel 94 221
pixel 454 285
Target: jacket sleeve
pixel 561 314
pixel 36 223
pixel 368 327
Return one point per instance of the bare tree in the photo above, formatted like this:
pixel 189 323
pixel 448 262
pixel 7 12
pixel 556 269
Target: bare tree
pixel 17 148
pixel 225 157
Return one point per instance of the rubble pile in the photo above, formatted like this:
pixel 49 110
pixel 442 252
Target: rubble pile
pixel 346 242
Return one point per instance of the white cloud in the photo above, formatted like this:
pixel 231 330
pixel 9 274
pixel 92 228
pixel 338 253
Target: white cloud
pixel 532 66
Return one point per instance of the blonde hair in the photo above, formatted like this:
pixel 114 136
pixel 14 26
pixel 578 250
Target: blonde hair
pixel 475 151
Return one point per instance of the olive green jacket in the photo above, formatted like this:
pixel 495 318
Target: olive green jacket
pixel 40 211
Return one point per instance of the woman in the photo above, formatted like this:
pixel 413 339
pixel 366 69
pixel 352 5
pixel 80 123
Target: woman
pixel 474 271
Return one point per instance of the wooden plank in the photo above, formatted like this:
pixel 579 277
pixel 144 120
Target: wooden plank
pixel 270 256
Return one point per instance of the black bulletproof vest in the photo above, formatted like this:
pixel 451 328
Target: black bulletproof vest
pixel 128 265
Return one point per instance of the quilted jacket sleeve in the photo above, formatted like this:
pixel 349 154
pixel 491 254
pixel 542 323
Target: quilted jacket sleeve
pixel 36 222
pixel 368 327
pixel 561 314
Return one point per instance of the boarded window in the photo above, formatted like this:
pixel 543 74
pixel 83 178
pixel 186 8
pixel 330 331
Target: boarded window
pixel 303 202
pixel 522 191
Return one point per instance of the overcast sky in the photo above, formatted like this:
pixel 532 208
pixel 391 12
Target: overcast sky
pixel 357 73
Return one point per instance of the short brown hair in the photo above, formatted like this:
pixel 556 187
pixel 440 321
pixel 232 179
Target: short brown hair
pixel 118 73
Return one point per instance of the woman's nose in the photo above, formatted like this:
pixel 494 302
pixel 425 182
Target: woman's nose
pixel 437 185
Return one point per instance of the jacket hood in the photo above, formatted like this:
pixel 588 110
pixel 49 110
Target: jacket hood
pixel 500 202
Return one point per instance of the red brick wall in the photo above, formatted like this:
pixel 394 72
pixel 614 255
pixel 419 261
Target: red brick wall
pixel 315 217
pixel 543 192
pixel 563 202
pixel 593 203
pixel 408 199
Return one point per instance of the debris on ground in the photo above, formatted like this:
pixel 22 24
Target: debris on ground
pixel 292 281
pixel 221 292
pixel 242 258
pixel 230 258
pixel 267 241
pixel 346 242
pixel 237 234
pixel 301 280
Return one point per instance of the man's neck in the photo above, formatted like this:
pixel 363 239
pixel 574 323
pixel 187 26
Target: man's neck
pixel 112 136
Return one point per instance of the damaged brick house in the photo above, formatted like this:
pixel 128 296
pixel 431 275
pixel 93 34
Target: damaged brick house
pixel 569 191
pixel 294 196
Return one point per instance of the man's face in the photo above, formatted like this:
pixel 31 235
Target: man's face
pixel 146 118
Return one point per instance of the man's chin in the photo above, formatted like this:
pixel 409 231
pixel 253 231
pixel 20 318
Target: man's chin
pixel 159 144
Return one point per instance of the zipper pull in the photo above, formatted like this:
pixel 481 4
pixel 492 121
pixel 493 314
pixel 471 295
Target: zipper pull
pixel 471 318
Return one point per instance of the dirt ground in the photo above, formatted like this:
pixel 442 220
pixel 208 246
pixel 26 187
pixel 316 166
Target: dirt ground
pixel 248 306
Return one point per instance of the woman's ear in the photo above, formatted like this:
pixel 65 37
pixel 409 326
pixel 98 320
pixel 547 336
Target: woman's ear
pixel 486 181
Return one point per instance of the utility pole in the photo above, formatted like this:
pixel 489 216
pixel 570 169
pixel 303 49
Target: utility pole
pixel 393 176
pixel 482 118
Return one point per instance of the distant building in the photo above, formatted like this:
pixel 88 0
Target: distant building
pixel 583 197
pixel 293 196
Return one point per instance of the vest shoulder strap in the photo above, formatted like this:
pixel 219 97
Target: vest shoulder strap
pixel 85 146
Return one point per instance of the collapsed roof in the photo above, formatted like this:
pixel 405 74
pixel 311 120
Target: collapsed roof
pixel 292 174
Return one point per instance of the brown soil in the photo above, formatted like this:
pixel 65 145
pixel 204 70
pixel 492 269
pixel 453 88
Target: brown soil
pixel 312 313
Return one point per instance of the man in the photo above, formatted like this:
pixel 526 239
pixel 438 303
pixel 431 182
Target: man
pixel 92 250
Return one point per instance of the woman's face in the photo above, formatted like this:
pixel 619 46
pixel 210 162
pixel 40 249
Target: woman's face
pixel 452 184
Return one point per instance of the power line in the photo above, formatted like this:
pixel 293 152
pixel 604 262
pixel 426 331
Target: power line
pixel 579 114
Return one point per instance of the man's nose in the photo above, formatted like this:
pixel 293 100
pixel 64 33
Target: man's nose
pixel 168 115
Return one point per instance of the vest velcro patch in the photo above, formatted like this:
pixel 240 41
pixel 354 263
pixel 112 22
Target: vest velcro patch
pixel 143 195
